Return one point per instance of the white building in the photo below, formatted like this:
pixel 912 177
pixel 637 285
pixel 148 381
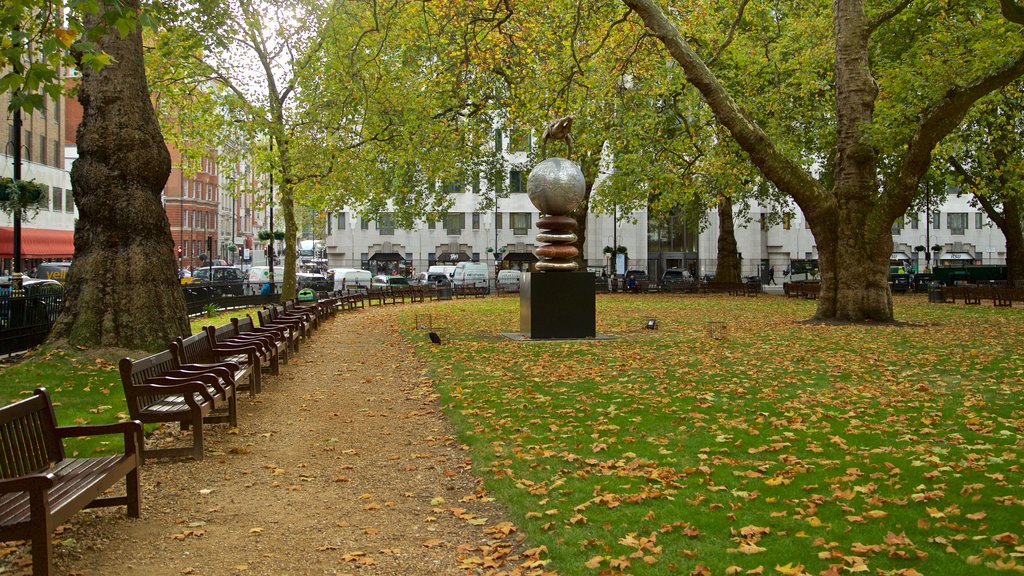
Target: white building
pixel 965 234
pixel 466 233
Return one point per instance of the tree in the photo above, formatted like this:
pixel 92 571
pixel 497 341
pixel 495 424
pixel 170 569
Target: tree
pixel 890 112
pixel 986 161
pixel 256 52
pixel 122 289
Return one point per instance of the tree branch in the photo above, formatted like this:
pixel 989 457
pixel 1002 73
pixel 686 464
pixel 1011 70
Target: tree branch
pixel 1012 11
pixel 887 15
pixel 937 122
pixel 732 33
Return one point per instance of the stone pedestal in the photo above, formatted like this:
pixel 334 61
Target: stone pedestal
pixel 557 305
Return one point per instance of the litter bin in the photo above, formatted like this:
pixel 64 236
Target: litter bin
pixel 935 292
pixel 444 292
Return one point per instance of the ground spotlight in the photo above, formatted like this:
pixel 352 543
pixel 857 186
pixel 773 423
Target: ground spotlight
pixel 652 324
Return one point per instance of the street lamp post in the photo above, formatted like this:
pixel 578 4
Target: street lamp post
pixel 16 266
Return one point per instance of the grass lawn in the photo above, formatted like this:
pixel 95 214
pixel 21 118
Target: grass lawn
pixel 784 447
pixel 85 389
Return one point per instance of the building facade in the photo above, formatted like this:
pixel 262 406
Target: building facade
pixel 50 234
pixel 504 236
pixel 963 233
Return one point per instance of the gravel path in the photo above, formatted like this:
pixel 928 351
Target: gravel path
pixel 343 465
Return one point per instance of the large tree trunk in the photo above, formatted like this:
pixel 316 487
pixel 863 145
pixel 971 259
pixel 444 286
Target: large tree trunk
pixel 728 269
pixel 1011 224
pixel 123 288
pixel 851 222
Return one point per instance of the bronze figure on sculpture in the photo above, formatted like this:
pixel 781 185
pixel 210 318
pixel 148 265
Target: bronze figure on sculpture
pixel 557 130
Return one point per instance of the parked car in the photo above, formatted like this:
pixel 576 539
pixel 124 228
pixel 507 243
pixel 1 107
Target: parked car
pixel 677 276
pixel 920 282
pixel 225 279
pixel 385 281
pixel 637 275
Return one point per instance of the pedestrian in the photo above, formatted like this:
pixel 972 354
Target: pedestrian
pixel 771 275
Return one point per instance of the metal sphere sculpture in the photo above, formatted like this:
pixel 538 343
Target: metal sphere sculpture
pixel 556 186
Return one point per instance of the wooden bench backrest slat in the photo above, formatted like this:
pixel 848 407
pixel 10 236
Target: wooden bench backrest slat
pixel 196 349
pixel 138 371
pixel 27 432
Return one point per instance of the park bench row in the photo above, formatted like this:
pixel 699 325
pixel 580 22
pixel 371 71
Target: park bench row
pixel 193 382
pixel 1001 296
pixel 806 290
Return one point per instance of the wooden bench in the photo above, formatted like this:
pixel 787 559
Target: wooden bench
pixel 196 353
pixel 467 291
pixel 276 314
pixel 41 488
pixel 227 340
pixel 806 290
pixel 279 336
pixel 156 392
pixel 292 309
pixel 1004 296
pixel 296 328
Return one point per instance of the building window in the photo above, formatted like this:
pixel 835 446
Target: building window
pixel 497 220
pixel 519 222
pixel 979 220
pixel 763 221
pixel 498 144
pixel 476 220
pixel 57 200
pixel 56 153
pixel 453 187
pixel 431 223
pixel 69 201
pixel 897 226
pixel 787 221
pixel 475 257
pixel 386 224
pixel 42 148
pixel 28 145
pixel 914 221
pixel 364 223
pixel 341 220
pixel 956 222
pixel 454 222
pixel 515 181
pixel 330 229
pixel 476 184
pixel 936 220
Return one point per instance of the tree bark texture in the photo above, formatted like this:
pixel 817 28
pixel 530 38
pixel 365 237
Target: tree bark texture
pixel 851 222
pixel 728 269
pixel 123 289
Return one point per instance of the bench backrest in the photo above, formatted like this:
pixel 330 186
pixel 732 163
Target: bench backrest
pixel 28 430
pixel 194 349
pixel 135 372
pixel 218 333
pixel 243 325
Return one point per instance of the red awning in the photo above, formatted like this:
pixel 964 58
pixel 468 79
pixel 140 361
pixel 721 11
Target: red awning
pixel 38 243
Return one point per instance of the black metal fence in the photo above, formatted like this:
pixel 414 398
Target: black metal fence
pixel 26 316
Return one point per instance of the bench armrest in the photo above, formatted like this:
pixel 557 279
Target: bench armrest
pixel 29 483
pixel 186 389
pixel 131 429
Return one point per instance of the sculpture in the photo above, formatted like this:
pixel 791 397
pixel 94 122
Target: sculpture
pixel 556 186
pixel 557 130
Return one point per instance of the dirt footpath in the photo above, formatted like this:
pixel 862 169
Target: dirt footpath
pixel 343 465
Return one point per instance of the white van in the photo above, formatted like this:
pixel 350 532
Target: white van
pixel 508 280
pixel 471 274
pixel 438 269
pixel 347 278
pixel 260 274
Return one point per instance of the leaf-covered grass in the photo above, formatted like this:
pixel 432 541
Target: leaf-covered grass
pixel 85 389
pixel 787 446
pixel 84 385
